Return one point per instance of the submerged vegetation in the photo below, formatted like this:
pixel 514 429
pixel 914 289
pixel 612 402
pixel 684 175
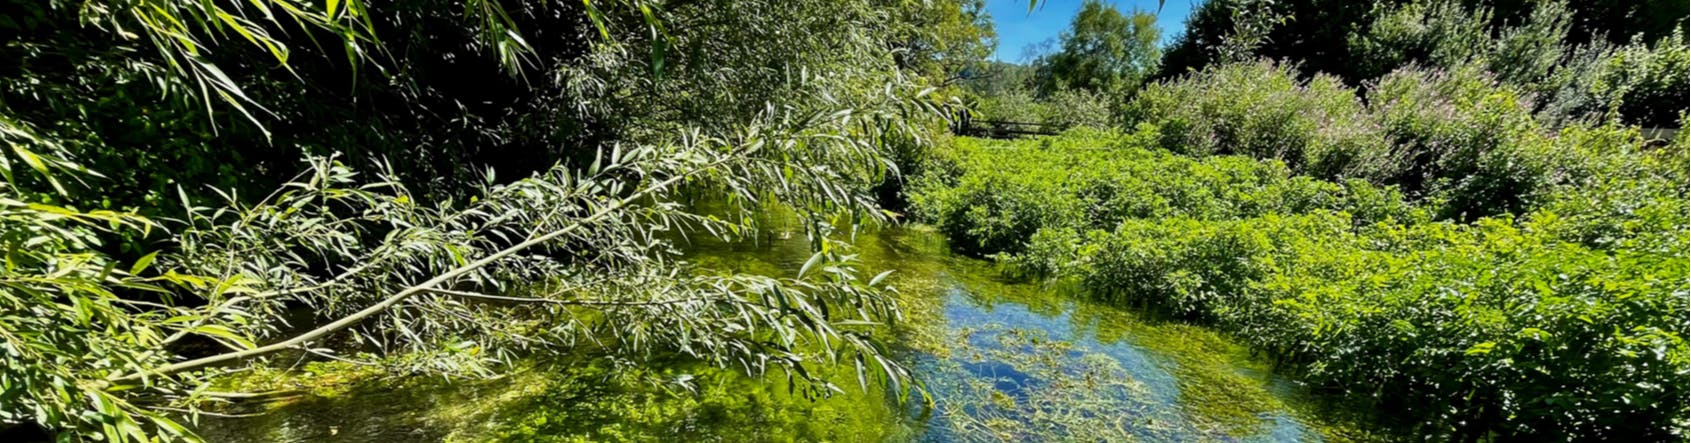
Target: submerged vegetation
pixel 1472 214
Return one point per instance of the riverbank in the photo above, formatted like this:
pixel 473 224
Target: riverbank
pixel 1561 319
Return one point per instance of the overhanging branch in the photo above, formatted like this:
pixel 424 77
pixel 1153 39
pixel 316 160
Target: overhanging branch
pixel 427 286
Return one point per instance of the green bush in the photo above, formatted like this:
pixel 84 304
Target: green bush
pixel 1493 329
pixel 1077 108
pixel 1618 193
pixel 1067 108
pixel 1261 110
pixel 1646 84
pixel 1437 34
pixel 1534 45
pixel 1633 79
pixel 1461 137
pixel 1017 105
pixel 993 196
pixel 1447 34
pixel 1457 139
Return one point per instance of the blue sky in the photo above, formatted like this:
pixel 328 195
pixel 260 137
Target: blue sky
pixel 1017 28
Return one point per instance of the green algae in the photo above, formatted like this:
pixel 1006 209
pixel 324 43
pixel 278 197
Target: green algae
pixel 703 404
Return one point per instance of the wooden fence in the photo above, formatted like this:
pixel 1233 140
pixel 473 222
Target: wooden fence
pixel 964 125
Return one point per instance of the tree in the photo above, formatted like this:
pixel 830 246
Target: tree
pixel 510 86
pixel 1310 31
pixel 529 160
pixel 996 78
pixel 1103 51
pixel 946 41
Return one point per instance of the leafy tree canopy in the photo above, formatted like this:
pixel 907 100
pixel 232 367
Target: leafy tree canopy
pixel 1103 50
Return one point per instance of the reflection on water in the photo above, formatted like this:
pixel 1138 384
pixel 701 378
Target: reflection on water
pixel 1000 361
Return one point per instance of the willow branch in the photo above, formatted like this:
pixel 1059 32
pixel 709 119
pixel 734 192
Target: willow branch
pixel 419 288
pixel 339 359
pixel 478 295
pixel 221 307
pixel 209 413
pixel 327 283
pixel 251 395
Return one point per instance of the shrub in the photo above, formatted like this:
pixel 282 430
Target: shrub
pixel 1526 54
pixel 1459 136
pixel 996 195
pixel 1457 139
pixel 1077 108
pixel 1439 34
pixel 1066 108
pixel 1264 111
pixel 1637 83
pixel 1647 83
pixel 1489 329
pixel 1016 105
pixel 1616 193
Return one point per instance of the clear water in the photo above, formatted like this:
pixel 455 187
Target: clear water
pixel 1000 361
pixel 1008 360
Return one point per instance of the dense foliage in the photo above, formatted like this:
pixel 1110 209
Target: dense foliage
pixel 1458 139
pixel 1444 207
pixel 1570 62
pixel 480 182
pixel 1579 57
pixel 507 86
pixel 990 199
pixel 1548 326
pixel 1103 51
pixel 1074 79
pixel 549 263
pixel 1466 331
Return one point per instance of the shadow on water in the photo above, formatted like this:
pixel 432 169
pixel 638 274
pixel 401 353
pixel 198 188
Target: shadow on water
pixel 1001 360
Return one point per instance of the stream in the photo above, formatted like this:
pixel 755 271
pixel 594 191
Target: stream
pixel 1001 361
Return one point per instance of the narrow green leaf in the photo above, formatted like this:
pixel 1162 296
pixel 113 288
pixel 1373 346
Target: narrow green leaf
pixel 876 281
pixel 814 259
pixel 142 263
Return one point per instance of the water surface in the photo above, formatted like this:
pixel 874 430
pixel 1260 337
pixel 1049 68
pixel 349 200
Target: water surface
pixel 999 361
